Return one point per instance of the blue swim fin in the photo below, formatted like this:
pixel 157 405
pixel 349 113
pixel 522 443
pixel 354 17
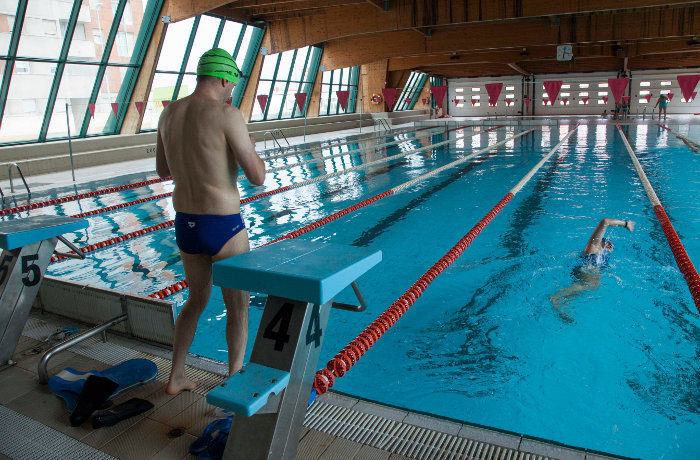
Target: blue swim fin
pixel 69 383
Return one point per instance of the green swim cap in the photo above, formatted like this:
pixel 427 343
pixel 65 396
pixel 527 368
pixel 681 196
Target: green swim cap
pixel 218 63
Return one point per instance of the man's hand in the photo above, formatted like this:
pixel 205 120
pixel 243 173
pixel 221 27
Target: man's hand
pixel 252 140
pixel 630 225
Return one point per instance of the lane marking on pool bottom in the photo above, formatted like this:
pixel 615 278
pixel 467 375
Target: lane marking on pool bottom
pixel 690 274
pixel 348 356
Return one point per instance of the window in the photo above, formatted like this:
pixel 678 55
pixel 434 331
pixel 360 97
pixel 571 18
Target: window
pixel 644 93
pixel 510 96
pixel 460 97
pixel 566 86
pixel 665 83
pixel 510 88
pixel 601 102
pixel 97 36
pixel 28 105
pixel 79 32
pixel 411 91
pixel 333 81
pixel 49 27
pixel 602 85
pixel 22 67
pixel 476 89
pixel 240 39
pixel 602 93
pixel 644 83
pixel 665 91
pixel 123 43
pixel 583 93
pixel 583 85
pixel 565 94
pixel 459 90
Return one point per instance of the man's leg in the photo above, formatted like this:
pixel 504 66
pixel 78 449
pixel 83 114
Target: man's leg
pixel 237 303
pixel 198 274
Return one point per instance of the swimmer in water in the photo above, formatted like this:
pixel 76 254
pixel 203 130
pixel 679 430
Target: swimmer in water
pixel 587 275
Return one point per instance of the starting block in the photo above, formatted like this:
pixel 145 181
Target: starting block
pixel 28 245
pixel 301 278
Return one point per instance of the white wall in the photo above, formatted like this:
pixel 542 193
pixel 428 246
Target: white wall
pixel 593 80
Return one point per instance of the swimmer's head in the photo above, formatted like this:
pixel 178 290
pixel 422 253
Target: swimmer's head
pixel 218 63
pixel 607 244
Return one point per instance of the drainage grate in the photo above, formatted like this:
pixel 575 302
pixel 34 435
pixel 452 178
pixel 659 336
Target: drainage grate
pixel 403 438
pixel 22 437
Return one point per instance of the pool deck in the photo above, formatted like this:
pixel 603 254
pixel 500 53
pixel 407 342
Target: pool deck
pixel 34 422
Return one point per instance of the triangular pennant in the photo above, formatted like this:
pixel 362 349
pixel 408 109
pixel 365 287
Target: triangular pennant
pixel 229 101
pixel 605 99
pixel 262 101
pixel 91 108
pixel 438 93
pixel 527 101
pixel 165 103
pixel 670 97
pixel 687 84
pixel 617 86
pixel 389 96
pixel 115 108
pixel 408 100
pixel 648 97
pixel 474 101
pixel 692 96
pixel 494 90
pixel 626 99
pixel 552 88
pixel 565 100
pixel 585 100
pixel 343 98
pixel 139 107
pixel 301 100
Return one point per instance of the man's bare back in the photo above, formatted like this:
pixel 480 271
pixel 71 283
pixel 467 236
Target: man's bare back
pixel 201 142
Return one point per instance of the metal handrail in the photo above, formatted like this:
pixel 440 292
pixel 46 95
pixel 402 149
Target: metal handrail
pixel 280 131
pixel 273 138
pixel 9 173
pixel 74 340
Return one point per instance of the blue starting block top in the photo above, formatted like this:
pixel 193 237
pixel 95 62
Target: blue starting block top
pixel 248 390
pixel 21 232
pixel 310 271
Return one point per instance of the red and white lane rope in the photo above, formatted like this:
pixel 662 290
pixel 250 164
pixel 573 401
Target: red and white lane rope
pixel 65 199
pixel 180 285
pixel 348 356
pixel 692 143
pixel 679 253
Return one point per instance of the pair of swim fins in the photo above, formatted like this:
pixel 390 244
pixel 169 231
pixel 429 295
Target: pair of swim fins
pixel 96 391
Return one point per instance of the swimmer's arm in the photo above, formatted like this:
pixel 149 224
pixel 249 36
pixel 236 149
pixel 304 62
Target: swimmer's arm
pixel 161 162
pixel 593 245
pixel 242 148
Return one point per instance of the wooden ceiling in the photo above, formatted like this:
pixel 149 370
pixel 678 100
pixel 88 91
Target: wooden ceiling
pixel 475 37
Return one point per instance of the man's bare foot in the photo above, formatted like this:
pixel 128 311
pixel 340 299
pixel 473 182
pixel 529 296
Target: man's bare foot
pixel 177 385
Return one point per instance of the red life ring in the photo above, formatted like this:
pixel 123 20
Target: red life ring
pixel 376 98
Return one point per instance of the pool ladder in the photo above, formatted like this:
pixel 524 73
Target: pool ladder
pixel 275 138
pixel 12 188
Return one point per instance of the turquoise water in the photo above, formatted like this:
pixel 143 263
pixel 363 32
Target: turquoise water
pixel 616 369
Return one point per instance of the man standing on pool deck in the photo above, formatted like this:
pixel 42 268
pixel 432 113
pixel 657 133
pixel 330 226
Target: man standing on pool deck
pixel 201 142
pixel 662 102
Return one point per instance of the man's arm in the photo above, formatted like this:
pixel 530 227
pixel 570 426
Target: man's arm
pixel 243 149
pixel 161 162
pixel 593 245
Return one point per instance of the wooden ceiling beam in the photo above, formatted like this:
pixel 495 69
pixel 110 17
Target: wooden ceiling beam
pixel 595 30
pixel 363 18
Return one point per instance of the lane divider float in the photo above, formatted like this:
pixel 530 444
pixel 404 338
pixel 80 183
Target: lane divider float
pixel 683 261
pixel 348 356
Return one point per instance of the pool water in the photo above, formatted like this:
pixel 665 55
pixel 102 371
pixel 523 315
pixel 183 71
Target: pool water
pixel 511 335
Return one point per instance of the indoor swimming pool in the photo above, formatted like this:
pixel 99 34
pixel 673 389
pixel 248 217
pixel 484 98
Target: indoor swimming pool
pixel 494 340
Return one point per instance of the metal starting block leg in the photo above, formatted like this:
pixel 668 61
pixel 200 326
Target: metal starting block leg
pixel 28 245
pixel 300 277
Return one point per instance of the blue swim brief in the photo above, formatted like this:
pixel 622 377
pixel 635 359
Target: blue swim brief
pixel 205 233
